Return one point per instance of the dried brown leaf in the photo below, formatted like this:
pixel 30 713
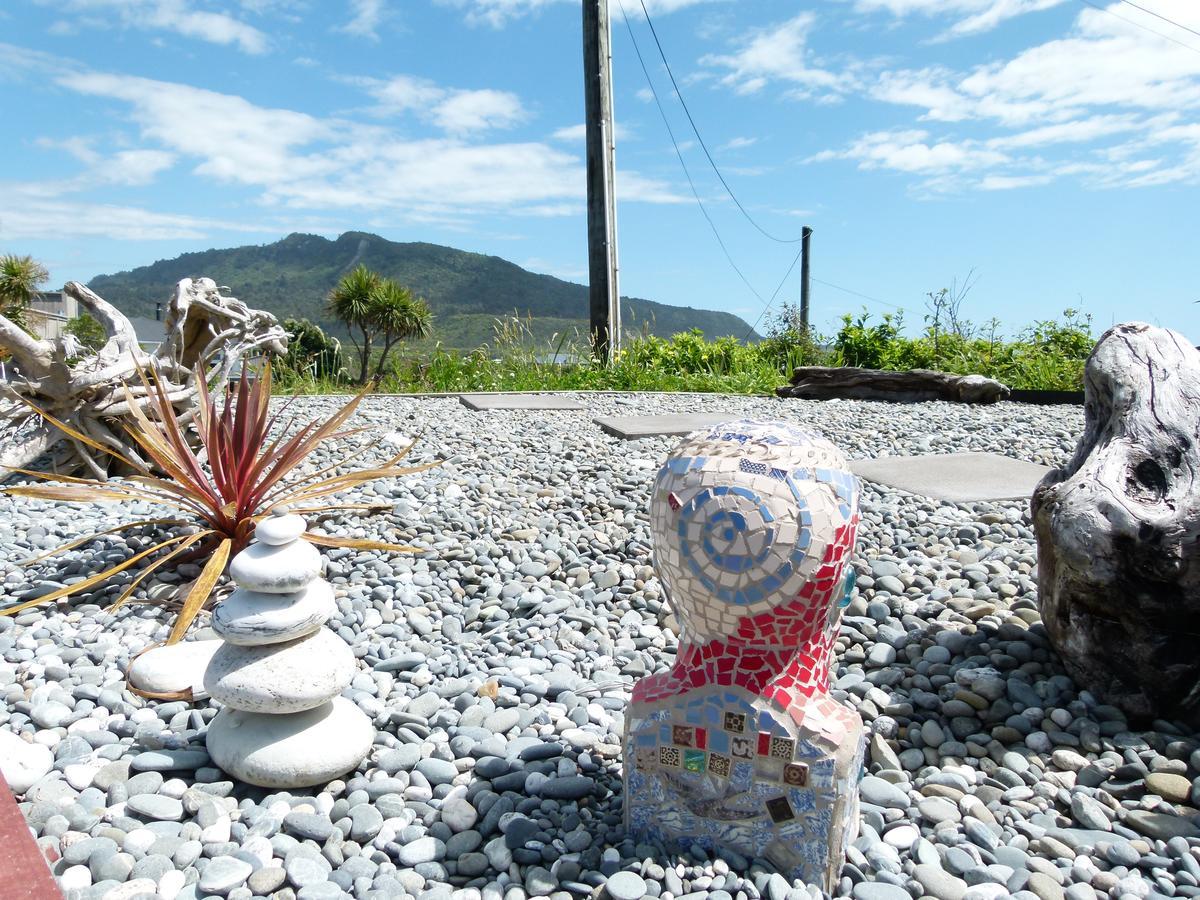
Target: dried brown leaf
pixel 200 591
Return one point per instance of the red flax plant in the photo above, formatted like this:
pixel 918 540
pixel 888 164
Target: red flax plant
pixel 234 478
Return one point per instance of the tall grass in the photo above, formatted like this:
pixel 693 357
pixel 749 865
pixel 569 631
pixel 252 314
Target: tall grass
pixel 1047 355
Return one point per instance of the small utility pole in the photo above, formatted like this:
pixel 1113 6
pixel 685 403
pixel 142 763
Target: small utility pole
pixel 603 293
pixel 805 285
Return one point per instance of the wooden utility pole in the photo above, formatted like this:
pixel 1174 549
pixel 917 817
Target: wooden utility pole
pixel 603 292
pixel 805 281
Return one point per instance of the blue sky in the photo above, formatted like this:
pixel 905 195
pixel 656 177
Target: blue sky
pixel 1050 146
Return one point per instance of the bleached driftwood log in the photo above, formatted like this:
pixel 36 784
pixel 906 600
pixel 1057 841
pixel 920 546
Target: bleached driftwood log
pixel 913 386
pixel 203 328
pixel 1118 529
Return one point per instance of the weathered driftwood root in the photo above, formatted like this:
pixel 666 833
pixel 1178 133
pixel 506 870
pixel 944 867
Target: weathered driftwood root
pixel 1118 529
pixel 916 385
pixel 95 394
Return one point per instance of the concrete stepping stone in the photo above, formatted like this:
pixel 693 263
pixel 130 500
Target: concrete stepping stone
pixel 955 477
pixel 631 428
pixel 484 402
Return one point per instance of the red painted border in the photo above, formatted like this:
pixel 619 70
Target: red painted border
pixel 23 871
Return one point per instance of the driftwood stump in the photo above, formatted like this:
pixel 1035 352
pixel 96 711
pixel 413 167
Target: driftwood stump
pixel 95 394
pixel 913 386
pixel 1118 529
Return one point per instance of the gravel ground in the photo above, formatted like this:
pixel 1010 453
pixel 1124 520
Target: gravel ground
pixel 496 667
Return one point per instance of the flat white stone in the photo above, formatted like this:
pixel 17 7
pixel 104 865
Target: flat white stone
pixel 175 667
pixel 298 750
pixel 276 570
pixel 23 763
pixel 251 618
pixel 279 530
pixel 281 678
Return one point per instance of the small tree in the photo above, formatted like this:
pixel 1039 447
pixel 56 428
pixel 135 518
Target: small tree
pixel 20 278
pixel 85 329
pixel 398 316
pixel 351 303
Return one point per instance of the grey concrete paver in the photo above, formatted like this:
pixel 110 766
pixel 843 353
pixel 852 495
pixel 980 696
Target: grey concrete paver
pixel 956 477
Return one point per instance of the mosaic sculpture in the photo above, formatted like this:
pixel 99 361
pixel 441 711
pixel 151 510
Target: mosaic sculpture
pixel 739 745
pixel 280 670
pixel 1118 529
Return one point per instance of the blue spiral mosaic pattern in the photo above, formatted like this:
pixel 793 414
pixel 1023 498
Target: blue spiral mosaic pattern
pixel 741 516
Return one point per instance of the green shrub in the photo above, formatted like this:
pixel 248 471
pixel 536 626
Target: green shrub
pixel 790 343
pixel 90 333
pixel 312 354
pixel 867 346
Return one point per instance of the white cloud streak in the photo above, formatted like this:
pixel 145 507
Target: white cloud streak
pixel 367 16
pixel 27 216
pixel 776 53
pixel 454 110
pixel 974 16
pixel 499 13
pixel 174 16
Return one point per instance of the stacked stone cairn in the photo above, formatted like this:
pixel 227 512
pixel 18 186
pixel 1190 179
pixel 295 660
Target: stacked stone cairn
pixel 280 672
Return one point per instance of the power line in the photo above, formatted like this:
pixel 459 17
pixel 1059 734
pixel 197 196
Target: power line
pixel 1151 12
pixel 696 131
pixel 687 174
pixel 778 288
pixel 691 184
pixel 845 290
pixel 1165 37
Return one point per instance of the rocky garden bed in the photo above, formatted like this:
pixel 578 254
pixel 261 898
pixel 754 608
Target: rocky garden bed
pixel 496 664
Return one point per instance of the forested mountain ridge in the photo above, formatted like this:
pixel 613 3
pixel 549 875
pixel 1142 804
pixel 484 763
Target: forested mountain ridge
pixel 466 291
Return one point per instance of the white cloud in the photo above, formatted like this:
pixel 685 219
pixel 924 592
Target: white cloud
pixel 739 143
pixel 1113 98
pixel 994 13
pixel 466 111
pixel 1010 182
pixel 578 133
pixel 366 19
pixel 778 52
pixel 977 16
pixel 453 110
pixel 571 133
pixel 498 13
pixel 235 140
pixel 126 168
pixel 1075 131
pixel 176 16
pixel 295 161
pixel 133 168
pixel 913 152
pixel 27 216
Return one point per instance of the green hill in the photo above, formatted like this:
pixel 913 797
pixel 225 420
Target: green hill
pixel 467 291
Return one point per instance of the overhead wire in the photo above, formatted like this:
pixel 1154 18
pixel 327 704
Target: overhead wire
pixel 696 131
pixel 696 194
pixel 679 154
pixel 1151 12
pixel 846 290
pixel 778 288
pixel 1165 37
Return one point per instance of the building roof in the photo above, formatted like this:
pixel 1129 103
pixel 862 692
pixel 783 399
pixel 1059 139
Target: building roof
pixel 148 331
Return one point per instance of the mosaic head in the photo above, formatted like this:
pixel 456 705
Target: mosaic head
pixel 748 517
